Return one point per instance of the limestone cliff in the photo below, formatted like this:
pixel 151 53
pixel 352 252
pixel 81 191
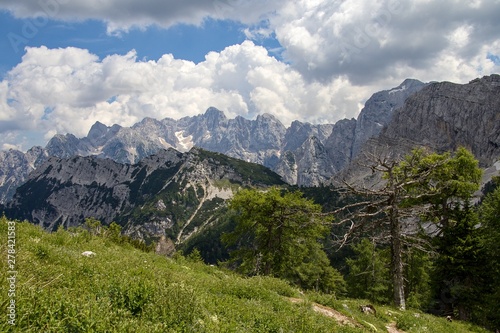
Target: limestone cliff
pixel 447 115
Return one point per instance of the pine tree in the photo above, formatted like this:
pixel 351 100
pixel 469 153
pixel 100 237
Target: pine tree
pixel 368 275
pixel 461 264
pixel 418 271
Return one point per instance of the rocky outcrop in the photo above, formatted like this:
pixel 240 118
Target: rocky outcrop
pixel 340 144
pixel 378 111
pixel 164 194
pixel 350 135
pixel 446 115
pixel 15 167
pixel 165 247
pixel 313 162
pixel 441 116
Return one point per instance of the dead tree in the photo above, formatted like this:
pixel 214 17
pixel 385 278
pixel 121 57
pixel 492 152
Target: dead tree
pixel 389 202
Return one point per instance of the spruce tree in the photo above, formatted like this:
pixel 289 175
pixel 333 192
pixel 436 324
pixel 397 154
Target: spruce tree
pixel 490 232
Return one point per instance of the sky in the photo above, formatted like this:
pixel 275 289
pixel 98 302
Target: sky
pixel 66 64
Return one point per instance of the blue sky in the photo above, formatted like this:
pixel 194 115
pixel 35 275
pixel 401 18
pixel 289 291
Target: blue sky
pixel 66 64
pixel 184 41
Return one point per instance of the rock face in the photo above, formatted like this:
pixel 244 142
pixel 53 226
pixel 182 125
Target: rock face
pixel 445 116
pixel 303 154
pixel 341 143
pixel 349 136
pixel 167 194
pixel 15 167
pixel 442 116
pixel 379 109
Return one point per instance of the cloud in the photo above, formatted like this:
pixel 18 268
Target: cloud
pixel 122 15
pixel 336 53
pixel 369 40
pixel 68 89
pixel 323 40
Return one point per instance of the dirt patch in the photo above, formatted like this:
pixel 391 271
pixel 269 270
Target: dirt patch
pixel 329 312
pixel 391 328
pixel 341 318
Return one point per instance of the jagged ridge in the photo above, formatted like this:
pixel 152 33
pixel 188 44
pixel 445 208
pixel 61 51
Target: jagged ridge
pixel 303 154
pixel 162 193
pixel 441 116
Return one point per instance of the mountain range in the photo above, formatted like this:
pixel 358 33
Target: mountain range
pixel 303 153
pixel 155 180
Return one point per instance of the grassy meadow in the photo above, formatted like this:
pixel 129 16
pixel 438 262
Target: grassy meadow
pixel 123 289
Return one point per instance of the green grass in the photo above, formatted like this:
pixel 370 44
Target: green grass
pixel 123 289
pixel 407 321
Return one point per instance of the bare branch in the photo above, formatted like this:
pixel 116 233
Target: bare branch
pixel 347 207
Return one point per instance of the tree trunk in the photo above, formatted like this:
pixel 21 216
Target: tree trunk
pixel 269 250
pixel 397 257
pixel 463 312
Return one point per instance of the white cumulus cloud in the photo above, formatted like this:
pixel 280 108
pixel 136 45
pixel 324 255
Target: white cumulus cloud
pixel 336 53
pixel 369 41
pixel 66 90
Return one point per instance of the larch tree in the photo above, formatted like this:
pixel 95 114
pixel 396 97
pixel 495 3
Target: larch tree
pixel 415 188
pixel 278 233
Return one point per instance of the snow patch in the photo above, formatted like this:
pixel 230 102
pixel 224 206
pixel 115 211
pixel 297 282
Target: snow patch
pixel 497 165
pixel 164 143
pixel 403 87
pixel 185 142
pixel 97 150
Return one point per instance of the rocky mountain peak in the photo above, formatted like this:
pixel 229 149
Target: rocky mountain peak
pixel 441 116
pixel 99 133
pixel 492 80
pixel 378 111
pixel 267 118
pixel 63 145
pixel 213 112
pixel 408 84
pixel 97 130
pixel 214 117
pixel 297 125
pixel 147 121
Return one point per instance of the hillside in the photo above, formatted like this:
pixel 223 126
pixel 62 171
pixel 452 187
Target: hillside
pixel 170 193
pixel 122 289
